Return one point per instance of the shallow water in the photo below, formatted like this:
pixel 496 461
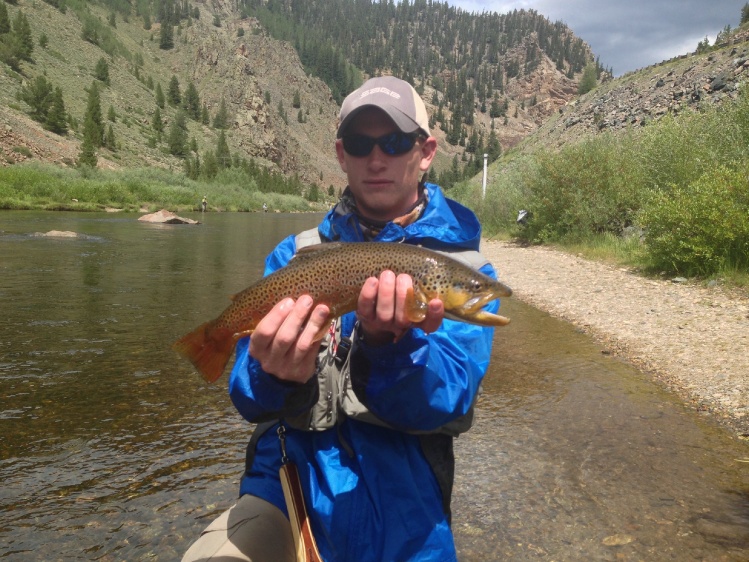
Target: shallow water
pixel 112 448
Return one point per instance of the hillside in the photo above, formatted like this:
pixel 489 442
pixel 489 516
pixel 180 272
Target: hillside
pixel 686 83
pixel 233 58
pixel 221 65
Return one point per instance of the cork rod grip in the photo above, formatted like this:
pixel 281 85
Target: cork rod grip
pixel 304 541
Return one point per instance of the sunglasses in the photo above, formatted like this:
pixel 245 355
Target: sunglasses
pixel 393 144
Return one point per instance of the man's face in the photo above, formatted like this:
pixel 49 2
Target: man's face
pixel 384 186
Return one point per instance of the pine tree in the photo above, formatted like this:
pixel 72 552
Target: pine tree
pixel 109 140
pixel 157 124
pixel 4 19
pixel 92 132
pixel 56 116
pixel 87 155
pixel 210 165
pixel 220 119
pixel 38 96
pixel 101 71
pixel 191 101
pixel 160 99
pixel 204 116
pixel 9 52
pixel 88 31
pixel 493 148
pixel 223 156
pixel 173 94
pixel 22 32
pixel 166 35
pixel 177 139
pixel 93 125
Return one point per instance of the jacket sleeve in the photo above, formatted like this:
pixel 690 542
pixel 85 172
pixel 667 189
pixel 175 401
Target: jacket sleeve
pixel 423 382
pixel 257 395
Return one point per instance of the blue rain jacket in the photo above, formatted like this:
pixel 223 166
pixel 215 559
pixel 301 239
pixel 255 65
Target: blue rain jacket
pixel 370 491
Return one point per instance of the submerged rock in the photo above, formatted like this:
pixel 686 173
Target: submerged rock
pixel 58 234
pixel 166 217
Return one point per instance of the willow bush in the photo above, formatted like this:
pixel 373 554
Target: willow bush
pixel 681 181
pixel 701 228
pixel 590 187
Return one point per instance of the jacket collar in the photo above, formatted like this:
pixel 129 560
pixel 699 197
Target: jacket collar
pixel 444 224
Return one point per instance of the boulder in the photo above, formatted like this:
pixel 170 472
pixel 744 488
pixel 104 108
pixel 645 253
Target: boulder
pixel 166 217
pixel 58 234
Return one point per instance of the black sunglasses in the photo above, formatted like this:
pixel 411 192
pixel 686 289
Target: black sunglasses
pixel 393 144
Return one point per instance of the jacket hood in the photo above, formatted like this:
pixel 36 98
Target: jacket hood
pixel 444 224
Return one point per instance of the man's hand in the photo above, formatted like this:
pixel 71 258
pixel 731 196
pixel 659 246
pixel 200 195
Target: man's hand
pixel 382 309
pixel 286 341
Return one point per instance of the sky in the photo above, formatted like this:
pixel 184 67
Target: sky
pixel 628 35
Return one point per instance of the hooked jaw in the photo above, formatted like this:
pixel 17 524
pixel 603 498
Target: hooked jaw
pixel 471 311
pixel 460 306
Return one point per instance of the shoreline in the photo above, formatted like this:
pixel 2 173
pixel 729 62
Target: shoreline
pixel 692 339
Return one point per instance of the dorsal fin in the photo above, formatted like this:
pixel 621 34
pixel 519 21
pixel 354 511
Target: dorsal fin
pixel 307 251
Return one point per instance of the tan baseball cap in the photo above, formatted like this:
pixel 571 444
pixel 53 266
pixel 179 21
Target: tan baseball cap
pixel 394 96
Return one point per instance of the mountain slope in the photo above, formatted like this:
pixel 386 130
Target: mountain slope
pixel 279 114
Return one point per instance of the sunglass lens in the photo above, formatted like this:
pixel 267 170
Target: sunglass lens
pixel 393 144
pixel 358 145
pixel 396 143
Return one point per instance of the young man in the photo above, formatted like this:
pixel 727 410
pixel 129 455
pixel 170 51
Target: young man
pixel 369 417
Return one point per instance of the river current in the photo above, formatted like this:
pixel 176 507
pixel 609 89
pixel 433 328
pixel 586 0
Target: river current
pixel 113 448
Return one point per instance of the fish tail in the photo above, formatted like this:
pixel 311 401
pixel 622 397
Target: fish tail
pixel 208 348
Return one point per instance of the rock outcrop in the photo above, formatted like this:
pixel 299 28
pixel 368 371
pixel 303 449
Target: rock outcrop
pixel 688 82
pixel 166 217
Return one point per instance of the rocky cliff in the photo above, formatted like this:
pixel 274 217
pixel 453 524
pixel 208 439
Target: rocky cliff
pixel 682 84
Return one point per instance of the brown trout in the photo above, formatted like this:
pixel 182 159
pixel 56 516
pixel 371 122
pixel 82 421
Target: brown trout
pixel 333 274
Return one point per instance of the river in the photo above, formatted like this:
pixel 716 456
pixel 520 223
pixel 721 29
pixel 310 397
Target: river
pixel 113 448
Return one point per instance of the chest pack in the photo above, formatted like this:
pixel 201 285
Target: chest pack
pixel 337 398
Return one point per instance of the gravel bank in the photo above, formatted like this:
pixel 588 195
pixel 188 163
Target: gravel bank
pixel 691 338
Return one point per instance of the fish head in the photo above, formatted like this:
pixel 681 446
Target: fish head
pixel 465 295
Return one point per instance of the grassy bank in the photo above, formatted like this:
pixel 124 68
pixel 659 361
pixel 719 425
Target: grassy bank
pixel 670 197
pixel 47 187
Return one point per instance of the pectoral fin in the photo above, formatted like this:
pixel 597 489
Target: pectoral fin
pixel 416 309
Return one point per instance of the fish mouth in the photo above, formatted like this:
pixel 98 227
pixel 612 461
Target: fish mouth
pixel 471 311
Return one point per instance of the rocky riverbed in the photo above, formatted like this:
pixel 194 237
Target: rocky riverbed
pixel 693 339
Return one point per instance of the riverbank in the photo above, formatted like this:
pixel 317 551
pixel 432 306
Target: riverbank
pixel 693 339
pixel 47 188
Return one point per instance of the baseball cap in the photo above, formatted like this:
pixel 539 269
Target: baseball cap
pixel 394 96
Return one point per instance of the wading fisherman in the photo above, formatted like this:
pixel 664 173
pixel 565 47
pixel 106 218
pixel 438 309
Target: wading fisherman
pixel 369 417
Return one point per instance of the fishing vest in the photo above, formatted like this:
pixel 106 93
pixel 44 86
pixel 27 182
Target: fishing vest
pixel 337 399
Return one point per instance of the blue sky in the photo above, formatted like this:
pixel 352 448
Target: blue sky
pixel 629 34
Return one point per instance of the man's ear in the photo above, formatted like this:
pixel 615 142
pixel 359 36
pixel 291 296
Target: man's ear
pixel 341 154
pixel 428 152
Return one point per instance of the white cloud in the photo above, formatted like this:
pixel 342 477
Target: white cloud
pixel 627 35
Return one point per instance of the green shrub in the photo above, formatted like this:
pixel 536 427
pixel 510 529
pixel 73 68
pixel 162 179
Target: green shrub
pixel 702 228
pixel 588 188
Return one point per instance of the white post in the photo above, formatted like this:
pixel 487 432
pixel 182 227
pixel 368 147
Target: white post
pixel 483 181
